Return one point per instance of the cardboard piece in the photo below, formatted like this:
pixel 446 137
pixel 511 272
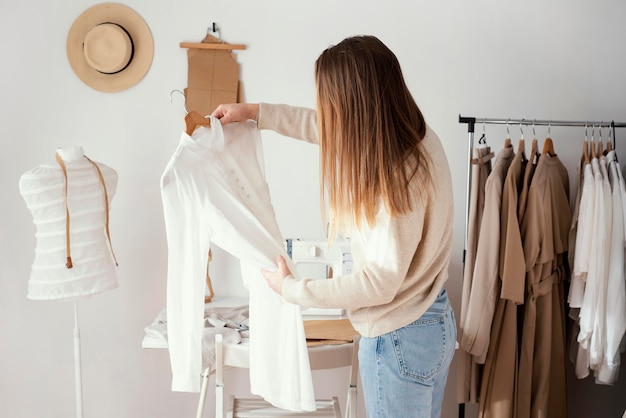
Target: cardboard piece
pixel 328 331
pixel 212 78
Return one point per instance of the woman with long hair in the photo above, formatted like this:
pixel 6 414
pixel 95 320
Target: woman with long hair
pixel 386 183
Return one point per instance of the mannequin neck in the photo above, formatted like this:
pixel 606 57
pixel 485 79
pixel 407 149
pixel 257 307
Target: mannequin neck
pixel 68 154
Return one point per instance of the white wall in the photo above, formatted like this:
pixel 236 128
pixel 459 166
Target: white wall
pixel 536 59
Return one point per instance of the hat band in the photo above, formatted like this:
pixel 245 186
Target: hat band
pixel 108 48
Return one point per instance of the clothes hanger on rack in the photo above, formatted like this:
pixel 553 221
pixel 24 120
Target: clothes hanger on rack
pixel 507 140
pixel 592 145
pixel 600 151
pixel 609 143
pixel 534 147
pixel 486 154
pixel 585 155
pixel 482 141
pixel 193 119
pixel 521 145
pixel 548 146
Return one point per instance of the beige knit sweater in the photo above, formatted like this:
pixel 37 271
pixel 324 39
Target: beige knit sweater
pixel 401 263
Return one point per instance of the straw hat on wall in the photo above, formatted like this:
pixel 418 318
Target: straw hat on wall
pixel 110 47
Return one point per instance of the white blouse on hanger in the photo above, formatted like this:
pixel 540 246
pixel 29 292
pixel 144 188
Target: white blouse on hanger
pixel 214 191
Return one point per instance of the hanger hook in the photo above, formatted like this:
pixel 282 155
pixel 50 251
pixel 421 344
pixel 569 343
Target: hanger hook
pixel 213 28
pixel 586 130
pixel 534 134
pixel 593 131
pixel 549 126
pixel 483 138
pixel 520 128
pixel 184 98
pixel 508 134
pixel 600 131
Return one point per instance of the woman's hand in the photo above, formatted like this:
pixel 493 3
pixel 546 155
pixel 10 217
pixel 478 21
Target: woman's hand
pixel 275 278
pixel 236 112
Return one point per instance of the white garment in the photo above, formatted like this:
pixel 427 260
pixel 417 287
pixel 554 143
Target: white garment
pixel 214 190
pixel 598 335
pixel 615 316
pixel 599 246
pixel 43 189
pixel 583 239
pixel 584 236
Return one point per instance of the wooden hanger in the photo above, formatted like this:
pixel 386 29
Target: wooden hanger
pixel 548 147
pixel 534 151
pixel 585 155
pixel 600 151
pixel 194 119
pixel 584 158
pixel 521 146
pixel 208 298
pixel 211 42
pixel 507 140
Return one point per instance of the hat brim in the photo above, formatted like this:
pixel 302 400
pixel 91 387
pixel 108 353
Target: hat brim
pixel 139 32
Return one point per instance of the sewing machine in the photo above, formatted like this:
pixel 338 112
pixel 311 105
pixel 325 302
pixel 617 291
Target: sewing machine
pixel 315 259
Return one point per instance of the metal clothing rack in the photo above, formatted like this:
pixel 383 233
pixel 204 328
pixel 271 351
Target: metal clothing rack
pixel 471 124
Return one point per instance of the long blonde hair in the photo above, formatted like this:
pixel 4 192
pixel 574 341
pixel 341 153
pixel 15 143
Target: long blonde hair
pixel 370 132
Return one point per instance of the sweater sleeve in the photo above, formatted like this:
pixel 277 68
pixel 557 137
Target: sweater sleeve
pixel 390 246
pixel 295 122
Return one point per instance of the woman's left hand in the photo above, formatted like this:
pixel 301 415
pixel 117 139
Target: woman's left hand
pixel 275 278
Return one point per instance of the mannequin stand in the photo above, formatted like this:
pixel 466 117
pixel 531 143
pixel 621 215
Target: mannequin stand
pixel 77 367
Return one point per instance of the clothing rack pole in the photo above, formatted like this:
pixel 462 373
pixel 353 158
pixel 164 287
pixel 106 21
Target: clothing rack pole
pixel 471 123
pixel 544 122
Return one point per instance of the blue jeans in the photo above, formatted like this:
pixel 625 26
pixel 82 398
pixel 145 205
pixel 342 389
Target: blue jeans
pixel 404 372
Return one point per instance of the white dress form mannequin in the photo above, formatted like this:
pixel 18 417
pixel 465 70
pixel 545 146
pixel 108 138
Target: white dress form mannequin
pixel 43 189
pixel 69 202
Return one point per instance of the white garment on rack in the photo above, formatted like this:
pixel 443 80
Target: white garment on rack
pixel 615 315
pixel 43 189
pixel 598 334
pixel 596 261
pixel 214 191
pixel 583 239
